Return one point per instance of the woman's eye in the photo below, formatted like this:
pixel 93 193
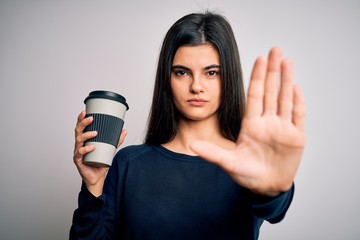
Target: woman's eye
pixel 180 73
pixel 213 73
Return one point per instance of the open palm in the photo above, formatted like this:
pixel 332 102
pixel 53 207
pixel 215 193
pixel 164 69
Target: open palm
pixel 272 136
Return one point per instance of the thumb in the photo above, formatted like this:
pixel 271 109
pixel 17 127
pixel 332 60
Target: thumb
pixel 211 152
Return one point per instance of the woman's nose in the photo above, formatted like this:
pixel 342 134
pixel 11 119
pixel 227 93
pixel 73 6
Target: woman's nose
pixel 196 86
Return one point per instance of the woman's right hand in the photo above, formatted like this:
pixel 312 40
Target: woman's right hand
pixel 93 177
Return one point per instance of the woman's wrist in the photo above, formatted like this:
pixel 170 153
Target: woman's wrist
pixel 96 189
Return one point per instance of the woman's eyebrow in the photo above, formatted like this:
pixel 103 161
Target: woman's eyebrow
pixel 188 69
pixel 180 67
pixel 212 66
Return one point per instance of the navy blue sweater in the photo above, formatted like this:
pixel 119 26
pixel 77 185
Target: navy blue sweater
pixel 153 193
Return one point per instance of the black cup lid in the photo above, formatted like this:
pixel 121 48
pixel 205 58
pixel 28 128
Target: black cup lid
pixel 107 95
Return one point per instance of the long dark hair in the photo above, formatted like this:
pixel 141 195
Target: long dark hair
pixel 195 29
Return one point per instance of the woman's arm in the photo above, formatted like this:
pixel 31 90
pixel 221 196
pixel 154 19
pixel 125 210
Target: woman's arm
pixel 95 216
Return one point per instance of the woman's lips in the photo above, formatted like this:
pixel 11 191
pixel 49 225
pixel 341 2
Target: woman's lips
pixel 197 102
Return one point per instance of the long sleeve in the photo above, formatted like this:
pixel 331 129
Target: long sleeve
pixel 97 218
pixel 272 209
pixel 87 218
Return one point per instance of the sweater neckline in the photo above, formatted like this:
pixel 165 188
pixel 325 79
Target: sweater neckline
pixel 177 156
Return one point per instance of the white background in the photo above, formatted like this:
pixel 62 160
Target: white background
pixel 53 53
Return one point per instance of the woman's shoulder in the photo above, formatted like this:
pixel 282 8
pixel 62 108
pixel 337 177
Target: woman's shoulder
pixel 133 151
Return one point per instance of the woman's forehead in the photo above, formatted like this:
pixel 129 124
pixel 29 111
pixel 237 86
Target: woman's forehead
pixel 199 55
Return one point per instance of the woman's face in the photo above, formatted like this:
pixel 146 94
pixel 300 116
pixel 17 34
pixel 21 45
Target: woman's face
pixel 196 81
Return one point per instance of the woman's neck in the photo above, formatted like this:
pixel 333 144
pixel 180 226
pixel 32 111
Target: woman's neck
pixel 189 130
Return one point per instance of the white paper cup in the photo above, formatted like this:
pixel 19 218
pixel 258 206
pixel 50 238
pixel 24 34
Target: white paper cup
pixel 108 110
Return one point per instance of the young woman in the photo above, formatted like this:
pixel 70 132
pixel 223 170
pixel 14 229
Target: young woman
pixel 211 167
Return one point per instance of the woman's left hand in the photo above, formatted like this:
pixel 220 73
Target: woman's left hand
pixel 272 137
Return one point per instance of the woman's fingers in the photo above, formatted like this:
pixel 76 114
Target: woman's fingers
pixel 255 96
pixel 122 137
pixel 80 137
pixel 285 99
pixel 264 96
pixel 271 82
pixel 298 113
pixel 82 123
pixel 80 153
pixel 81 116
pixel 263 88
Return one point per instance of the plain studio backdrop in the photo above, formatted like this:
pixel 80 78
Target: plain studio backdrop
pixel 53 53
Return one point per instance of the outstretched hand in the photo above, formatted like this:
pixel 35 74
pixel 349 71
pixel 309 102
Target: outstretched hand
pixel 272 136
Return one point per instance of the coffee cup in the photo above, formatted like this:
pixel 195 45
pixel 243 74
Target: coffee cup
pixel 108 111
